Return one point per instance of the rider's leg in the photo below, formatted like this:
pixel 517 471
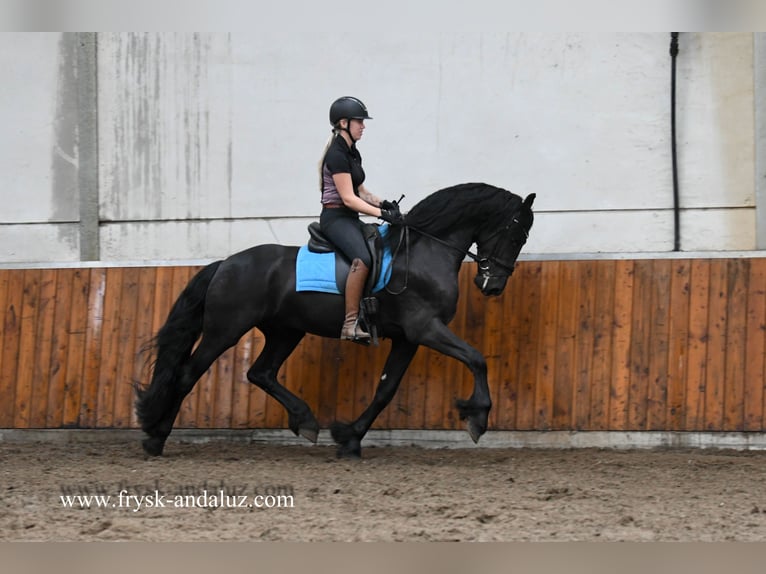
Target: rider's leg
pixel 355 281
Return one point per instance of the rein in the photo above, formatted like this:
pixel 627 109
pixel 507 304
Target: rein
pixel 482 262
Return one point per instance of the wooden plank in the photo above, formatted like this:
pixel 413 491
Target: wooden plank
pixel 736 343
pixel 529 337
pixel 507 351
pixel 27 359
pixel 601 362
pixel 11 291
pixel 716 349
pixel 256 402
pixel 657 382
pixel 546 359
pixel 90 387
pixel 678 344
pixel 699 335
pixel 43 349
pixel 110 348
pixel 224 390
pixel 564 367
pixel 619 397
pixel 77 343
pixel 187 415
pixel 586 324
pixel 494 340
pixel 126 341
pixel 755 349
pixel 54 415
pixel 640 351
pixel 147 282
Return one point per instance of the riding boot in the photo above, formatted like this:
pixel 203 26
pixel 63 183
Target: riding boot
pixel 357 277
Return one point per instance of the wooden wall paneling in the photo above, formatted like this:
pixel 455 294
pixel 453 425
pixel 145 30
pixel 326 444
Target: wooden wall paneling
pixel 11 297
pixel 56 382
pixel 548 343
pixel 564 352
pixel 79 332
pixel 110 348
pixel 755 372
pixel 716 351
pixel 529 338
pixel 738 274
pixel 640 351
pixel 678 343
pixel 44 334
pixel 621 345
pixel 585 344
pixel 127 348
pixel 659 326
pixel 699 335
pixel 90 387
pixel 27 345
pixel 491 316
pixel 601 362
pixel 507 351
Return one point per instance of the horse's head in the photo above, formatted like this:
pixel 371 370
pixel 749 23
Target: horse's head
pixel 500 247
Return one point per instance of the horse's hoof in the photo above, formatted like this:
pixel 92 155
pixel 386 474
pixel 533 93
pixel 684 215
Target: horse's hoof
pixel 474 431
pixel 309 433
pixel 349 452
pixel 153 446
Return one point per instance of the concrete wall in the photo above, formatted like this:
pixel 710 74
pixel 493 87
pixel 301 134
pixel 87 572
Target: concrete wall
pixel 208 143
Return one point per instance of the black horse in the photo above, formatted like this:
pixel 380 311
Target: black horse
pixel 257 288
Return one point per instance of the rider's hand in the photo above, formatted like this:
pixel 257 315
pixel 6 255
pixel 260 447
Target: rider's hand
pixel 392 215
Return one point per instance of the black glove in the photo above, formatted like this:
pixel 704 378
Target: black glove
pixel 385 204
pixel 393 216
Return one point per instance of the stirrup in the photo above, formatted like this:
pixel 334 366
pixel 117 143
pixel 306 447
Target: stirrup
pixel 358 336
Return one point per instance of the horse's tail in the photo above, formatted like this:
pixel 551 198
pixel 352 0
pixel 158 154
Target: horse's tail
pixel 173 344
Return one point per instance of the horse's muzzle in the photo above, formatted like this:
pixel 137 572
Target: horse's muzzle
pixel 490 285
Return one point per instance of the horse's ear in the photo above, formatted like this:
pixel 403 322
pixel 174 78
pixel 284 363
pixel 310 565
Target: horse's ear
pixel 529 200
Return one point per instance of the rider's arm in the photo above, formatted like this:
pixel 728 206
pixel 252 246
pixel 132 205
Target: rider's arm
pixel 350 200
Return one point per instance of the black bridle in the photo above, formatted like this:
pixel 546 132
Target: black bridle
pixel 484 263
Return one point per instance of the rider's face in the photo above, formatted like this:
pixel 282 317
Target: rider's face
pixel 356 127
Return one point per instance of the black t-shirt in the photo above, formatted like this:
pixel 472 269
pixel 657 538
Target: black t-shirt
pixel 340 159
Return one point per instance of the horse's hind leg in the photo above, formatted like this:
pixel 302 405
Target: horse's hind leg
pixel 203 356
pixel 263 374
pixel 349 436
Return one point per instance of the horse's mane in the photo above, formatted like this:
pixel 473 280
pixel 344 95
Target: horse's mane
pixel 467 203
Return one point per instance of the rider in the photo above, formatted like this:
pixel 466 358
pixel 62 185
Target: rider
pixel 344 198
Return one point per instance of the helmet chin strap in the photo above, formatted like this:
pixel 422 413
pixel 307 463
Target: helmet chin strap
pixel 348 131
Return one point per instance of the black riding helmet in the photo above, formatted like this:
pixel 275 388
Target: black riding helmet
pixel 347 107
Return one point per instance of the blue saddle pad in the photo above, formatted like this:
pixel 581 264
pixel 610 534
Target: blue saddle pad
pixel 316 271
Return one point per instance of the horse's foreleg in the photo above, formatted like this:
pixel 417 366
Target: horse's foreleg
pixel 475 410
pixel 349 436
pixel 263 373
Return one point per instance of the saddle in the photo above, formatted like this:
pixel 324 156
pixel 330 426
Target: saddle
pixel 368 306
pixel 318 243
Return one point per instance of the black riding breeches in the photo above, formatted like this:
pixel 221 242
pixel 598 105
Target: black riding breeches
pixel 344 228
